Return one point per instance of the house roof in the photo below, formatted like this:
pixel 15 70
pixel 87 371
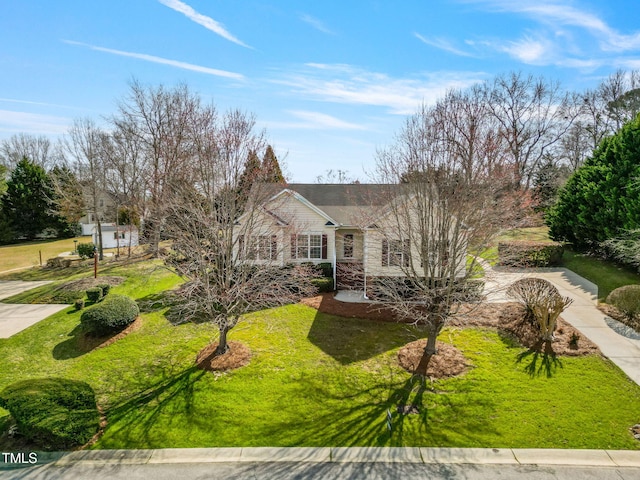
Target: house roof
pixel 345 204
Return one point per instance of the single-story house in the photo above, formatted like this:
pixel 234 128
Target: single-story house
pixel 114 236
pixel 340 224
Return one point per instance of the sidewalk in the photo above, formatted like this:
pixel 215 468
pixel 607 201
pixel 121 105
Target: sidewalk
pixel 616 341
pixel 420 455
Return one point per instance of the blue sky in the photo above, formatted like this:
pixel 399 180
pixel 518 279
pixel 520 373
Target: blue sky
pixel 330 81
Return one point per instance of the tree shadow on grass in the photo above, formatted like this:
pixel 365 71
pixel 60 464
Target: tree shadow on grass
pixel 541 360
pixel 136 415
pixel 350 340
pixel 81 342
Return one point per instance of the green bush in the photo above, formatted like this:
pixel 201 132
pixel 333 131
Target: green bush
pixel 113 314
pixel 325 268
pixel 85 250
pixel 54 413
pixel 529 254
pixel 79 303
pixel 94 294
pixel 105 288
pixel 323 284
pixel 626 299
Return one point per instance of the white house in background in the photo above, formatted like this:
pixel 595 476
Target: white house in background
pixel 337 224
pixel 116 235
pixel 106 211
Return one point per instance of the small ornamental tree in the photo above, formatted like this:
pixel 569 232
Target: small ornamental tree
pixel 542 301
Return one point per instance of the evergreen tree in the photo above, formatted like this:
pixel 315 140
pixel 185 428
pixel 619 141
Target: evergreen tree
pixel 27 202
pixel 271 172
pixel 251 173
pixel 602 198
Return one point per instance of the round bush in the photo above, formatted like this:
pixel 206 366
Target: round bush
pixel 113 314
pixel 94 294
pixel 79 304
pixel 626 299
pixel 54 413
pixel 105 288
pixel 85 250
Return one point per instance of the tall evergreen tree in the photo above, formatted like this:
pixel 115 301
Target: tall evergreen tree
pixel 27 202
pixel 271 172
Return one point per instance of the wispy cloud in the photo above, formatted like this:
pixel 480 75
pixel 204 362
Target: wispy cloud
pixel 317 24
pixel 163 61
pixel 348 84
pixel 317 120
pixel 442 44
pixel 41 104
pixel 561 14
pixel 207 22
pixel 12 121
pixel 530 50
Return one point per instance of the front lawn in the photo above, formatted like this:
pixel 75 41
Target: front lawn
pixel 321 380
pixel 27 254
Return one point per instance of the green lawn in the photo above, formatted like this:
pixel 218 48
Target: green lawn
pixel 321 380
pixel 27 254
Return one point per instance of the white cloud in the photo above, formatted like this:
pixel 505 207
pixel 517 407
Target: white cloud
pixel 442 44
pixel 207 22
pixel 317 120
pixel 529 51
pixel 317 24
pixel 12 121
pixel 341 83
pixel 163 61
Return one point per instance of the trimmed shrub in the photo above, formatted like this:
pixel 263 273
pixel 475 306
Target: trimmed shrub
pixel 54 413
pixel 325 268
pixel 323 285
pixel 111 315
pixel 94 294
pixel 79 303
pixel 529 254
pixel 627 300
pixel 85 250
pixel 105 288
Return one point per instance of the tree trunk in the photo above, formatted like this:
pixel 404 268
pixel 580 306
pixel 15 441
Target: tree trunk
pixel 223 346
pixel 100 250
pixel 429 351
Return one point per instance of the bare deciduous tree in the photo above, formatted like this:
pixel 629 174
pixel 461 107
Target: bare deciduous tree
pixel 224 245
pixel 440 207
pixel 38 149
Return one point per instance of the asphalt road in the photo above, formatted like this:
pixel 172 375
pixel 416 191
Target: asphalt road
pixel 309 471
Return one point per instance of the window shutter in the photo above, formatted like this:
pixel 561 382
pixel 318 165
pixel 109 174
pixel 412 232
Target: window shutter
pixel 406 253
pixel 274 247
pixel 293 246
pixel 385 253
pixel 324 247
pixel 241 246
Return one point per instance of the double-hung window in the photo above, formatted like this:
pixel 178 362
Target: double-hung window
pixel 311 246
pixel 395 253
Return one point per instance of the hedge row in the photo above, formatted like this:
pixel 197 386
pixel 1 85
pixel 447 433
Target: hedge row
pixel 529 254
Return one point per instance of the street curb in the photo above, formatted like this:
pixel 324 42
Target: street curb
pixel 424 455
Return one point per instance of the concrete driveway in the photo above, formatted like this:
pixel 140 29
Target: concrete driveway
pixel 16 317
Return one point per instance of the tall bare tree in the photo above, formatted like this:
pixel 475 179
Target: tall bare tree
pixel 160 121
pixel 225 246
pixel 441 206
pixel 83 144
pixel 38 149
pixel 533 114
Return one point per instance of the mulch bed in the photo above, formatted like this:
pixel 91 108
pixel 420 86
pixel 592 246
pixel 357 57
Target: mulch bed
pixel 616 314
pixel 510 318
pixel 448 362
pixel 237 356
pixel 87 342
pixel 86 283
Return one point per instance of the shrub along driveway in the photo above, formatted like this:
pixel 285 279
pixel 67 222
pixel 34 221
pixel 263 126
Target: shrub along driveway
pixel 15 318
pixel 616 341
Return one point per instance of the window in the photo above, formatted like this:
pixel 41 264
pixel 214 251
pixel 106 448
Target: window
pixel 309 246
pixel 263 247
pixel 395 253
pixel 347 247
pixel 102 202
pixel 119 235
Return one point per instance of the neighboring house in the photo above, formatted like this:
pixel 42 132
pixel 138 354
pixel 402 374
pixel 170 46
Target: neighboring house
pixel 106 212
pixel 114 236
pixel 331 223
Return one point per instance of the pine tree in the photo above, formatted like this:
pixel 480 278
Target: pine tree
pixel 271 172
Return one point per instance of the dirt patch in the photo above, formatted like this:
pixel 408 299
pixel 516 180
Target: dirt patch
pixel 87 342
pixel 448 362
pixel 509 318
pixel 616 314
pixel 237 356
pixel 86 283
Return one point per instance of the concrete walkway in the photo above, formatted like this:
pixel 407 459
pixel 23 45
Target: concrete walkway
pixel 617 342
pixel 16 317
